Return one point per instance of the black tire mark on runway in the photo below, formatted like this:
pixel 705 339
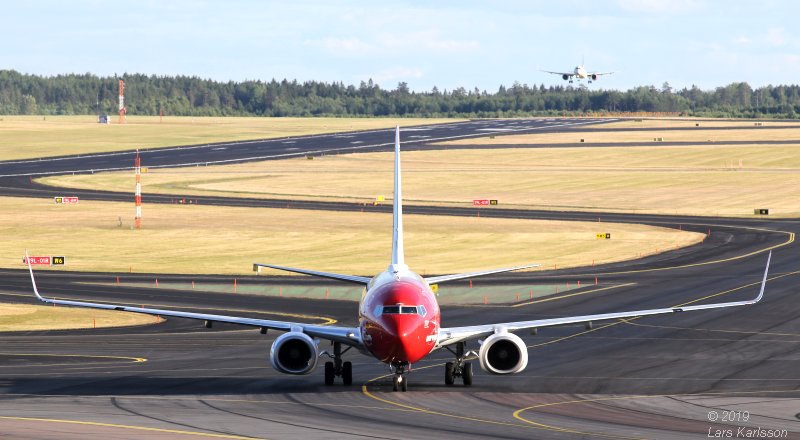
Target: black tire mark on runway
pixel 296 425
pixel 707 407
pixel 397 422
pixel 115 402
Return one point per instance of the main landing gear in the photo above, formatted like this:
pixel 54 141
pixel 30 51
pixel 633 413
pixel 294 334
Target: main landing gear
pixel 337 368
pixel 399 382
pixel 459 368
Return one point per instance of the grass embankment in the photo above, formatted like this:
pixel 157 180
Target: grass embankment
pixel 224 240
pixel 25 137
pixel 689 180
pixel 25 317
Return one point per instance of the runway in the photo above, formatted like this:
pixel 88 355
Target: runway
pixel 654 377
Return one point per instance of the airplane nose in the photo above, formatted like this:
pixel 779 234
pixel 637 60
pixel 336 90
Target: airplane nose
pixel 403 330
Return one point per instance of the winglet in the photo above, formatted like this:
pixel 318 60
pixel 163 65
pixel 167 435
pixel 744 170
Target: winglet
pixel 398 259
pixel 763 281
pixel 33 281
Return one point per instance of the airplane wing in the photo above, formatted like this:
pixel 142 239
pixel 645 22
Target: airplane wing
pixel 461 276
pixel 570 74
pixel 335 276
pixel 598 73
pixel 345 335
pixel 452 335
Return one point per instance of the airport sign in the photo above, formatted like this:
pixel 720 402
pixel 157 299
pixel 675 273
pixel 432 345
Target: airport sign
pixel 45 260
pixel 481 202
pixel 38 261
pixel 66 200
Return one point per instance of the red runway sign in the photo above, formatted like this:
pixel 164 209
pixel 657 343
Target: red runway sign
pixel 481 202
pixel 42 261
pixel 66 200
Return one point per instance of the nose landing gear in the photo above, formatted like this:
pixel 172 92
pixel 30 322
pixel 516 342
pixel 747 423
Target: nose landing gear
pixel 459 368
pixel 399 381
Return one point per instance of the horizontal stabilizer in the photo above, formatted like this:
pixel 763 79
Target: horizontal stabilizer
pixel 335 276
pixel 461 276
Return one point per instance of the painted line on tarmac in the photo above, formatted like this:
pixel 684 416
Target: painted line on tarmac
pixel 517 414
pixel 138 428
pixel 134 360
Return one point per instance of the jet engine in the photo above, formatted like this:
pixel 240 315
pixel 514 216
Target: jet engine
pixel 503 353
pixel 594 77
pixel 565 77
pixel 294 353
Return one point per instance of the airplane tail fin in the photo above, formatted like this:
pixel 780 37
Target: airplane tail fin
pixel 398 258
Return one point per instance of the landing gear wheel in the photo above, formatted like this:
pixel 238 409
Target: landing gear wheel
pixel 448 374
pixel 396 383
pixel 347 373
pixel 330 373
pixel 404 385
pixel 466 373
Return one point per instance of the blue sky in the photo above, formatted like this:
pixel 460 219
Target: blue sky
pixel 446 44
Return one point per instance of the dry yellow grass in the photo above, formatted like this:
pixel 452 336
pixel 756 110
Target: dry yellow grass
pixel 697 180
pixel 633 137
pixel 24 137
pixel 691 122
pixel 26 317
pixel 204 239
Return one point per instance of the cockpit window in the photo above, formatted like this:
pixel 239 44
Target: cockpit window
pixel 408 310
pixel 401 310
pixel 392 310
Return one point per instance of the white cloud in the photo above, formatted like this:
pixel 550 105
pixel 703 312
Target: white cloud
pixel 742 39
pixel 422 42
pixel 345 45
pixel 776 36
pixel 660 6
pixel 388 77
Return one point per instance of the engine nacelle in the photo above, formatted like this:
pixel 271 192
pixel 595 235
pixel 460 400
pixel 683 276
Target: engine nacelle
pixel 503 353
pixel 565 77
pixel 294 353
pixel 594 77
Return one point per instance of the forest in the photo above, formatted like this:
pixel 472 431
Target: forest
pixel 72 94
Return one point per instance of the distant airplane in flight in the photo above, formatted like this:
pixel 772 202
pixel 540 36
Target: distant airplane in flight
pixel 579 73
pixel 399 321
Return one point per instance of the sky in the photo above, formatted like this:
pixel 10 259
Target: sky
pixel 447 44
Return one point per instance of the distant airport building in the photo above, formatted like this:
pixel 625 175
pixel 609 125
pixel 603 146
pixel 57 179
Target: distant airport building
pixel 104 119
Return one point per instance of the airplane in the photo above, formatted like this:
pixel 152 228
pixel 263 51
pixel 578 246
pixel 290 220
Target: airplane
pixel 579 73
pixel 399 321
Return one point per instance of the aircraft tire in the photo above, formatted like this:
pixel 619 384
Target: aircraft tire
pixel 466 373
pixel 448 374
pixel 329 373
pixel 347 373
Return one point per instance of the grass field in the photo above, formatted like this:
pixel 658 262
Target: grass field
pixel 24 137
pixel 26 317
pixel 691 180
pixel 221 240
pixel 696 134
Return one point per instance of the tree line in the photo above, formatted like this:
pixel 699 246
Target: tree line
pixel 192 96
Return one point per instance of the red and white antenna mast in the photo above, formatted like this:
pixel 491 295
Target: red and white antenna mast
pixel 121 101
pixel 138 194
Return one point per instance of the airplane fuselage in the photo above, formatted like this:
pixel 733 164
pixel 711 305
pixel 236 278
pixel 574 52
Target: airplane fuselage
pixel 580 72
pixel 399 317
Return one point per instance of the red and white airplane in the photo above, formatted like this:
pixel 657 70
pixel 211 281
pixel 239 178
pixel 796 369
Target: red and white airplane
pixel 399 321
pixel 579 73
